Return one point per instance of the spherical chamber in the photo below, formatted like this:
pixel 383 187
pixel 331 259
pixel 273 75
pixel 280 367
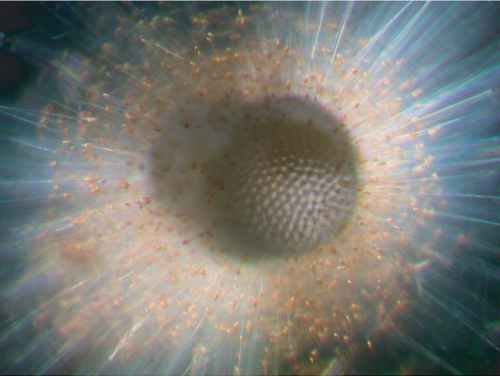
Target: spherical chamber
pixel 281 177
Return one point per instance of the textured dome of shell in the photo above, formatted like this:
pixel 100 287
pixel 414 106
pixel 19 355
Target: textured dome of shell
pixel 290 182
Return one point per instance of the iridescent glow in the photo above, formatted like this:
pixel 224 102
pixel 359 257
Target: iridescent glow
pixel 117 261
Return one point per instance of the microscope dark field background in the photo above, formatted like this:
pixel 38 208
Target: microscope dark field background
pixel 147 225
